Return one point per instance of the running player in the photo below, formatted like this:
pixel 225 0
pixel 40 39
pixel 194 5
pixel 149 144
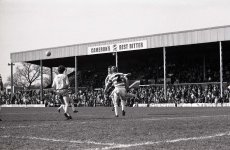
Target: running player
pixel 61 84
pixel 120 82
pixel 25 99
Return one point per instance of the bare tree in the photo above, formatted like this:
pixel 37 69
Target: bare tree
pixel 27 74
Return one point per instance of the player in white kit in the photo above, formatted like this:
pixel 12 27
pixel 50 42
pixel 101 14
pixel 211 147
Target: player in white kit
pixel 61 85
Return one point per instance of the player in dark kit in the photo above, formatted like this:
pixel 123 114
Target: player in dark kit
pixel 120 83
pixel 108 96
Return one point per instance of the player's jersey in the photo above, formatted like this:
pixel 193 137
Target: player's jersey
pixel 60 82
pixel 118 80
pixel 107 79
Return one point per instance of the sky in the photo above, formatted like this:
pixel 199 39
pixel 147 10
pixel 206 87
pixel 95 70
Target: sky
pixel 34 24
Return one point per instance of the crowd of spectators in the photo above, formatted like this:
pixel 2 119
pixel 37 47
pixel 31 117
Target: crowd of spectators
pixel 85 97
pixel 189 93
pixel 22 97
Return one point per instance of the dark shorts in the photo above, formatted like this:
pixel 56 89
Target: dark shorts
pixel 62 92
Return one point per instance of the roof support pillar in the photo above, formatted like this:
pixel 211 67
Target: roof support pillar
pixel 41 87
pixel 11 80
pixel 165 86
pixel 116 59
pixel 221 70
pixel 76 85
pixel 51 75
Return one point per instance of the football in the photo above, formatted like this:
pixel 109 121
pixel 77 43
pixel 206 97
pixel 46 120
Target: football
pixel 48 53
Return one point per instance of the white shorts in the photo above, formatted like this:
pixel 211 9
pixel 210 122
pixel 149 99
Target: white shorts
pixel 120 92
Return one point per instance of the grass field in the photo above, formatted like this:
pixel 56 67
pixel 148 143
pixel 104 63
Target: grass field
pixel 97 128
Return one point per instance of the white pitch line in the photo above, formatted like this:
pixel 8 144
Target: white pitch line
pixel 57 140
pixel 114 145
pixel 166 141
pixel 181 118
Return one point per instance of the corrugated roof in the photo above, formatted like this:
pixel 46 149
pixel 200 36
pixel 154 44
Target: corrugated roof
pixel 204 35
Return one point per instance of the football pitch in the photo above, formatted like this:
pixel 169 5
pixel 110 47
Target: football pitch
pixel 97 128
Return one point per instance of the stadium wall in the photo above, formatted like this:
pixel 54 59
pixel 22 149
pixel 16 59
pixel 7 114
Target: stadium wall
pixel 23 105
pixel 184 105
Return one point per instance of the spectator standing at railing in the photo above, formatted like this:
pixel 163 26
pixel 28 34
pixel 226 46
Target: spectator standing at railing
pixel 178 96
pixel 215 95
